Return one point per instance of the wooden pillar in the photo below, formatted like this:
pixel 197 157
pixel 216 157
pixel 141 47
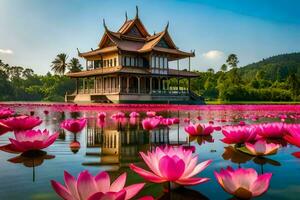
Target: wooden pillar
pixel 189 79
pixel 178 76
pixel 159 88
pixel 139 84
pixel 88 85
pixel 119 83
pixel 83 85
pixel 76 85
pixel 150 85
pixel 127 86
pixel 110 84
pixel 103 84
pixel 95 84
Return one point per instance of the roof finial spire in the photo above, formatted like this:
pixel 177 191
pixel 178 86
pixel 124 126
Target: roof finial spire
pixel 78 52
pixel 126 17
pixel 137 12
pixel 167 26
pixel 104 24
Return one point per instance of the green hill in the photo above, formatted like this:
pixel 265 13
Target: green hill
pixel 274 68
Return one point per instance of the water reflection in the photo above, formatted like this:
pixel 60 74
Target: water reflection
pixel 201 139
pixel 114 144
pixel 183 193
pixel 111 145
pixel 32 159
pixel 235 156
pixel 238 157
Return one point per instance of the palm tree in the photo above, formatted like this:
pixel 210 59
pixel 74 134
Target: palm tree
pixel 211 70
pixel 59 64
pixel 74 65
pixel 224 68
pixel 232 60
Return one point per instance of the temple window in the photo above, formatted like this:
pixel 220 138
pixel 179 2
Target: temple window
pixel 157 62
pixel 153 61
pixel 166 62
pixel 161 62
pixel 127 61
pixel 131 61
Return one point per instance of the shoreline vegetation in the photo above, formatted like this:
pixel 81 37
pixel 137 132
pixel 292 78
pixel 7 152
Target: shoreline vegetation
pixel 275 80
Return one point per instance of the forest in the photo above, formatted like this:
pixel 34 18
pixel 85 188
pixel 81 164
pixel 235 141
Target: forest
pixel 272 79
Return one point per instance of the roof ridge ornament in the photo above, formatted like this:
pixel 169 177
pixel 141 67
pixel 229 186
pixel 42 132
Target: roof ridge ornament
pixel 167 26
pixel 78 52
pixel 126 17
pixel 104 24
pixel 137 12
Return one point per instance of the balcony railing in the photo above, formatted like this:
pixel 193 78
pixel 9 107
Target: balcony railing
pixel 134 91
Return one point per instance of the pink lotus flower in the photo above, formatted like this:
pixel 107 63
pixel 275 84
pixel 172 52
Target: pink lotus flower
pixel 175 120
pixel 187 120
pixel 243 183
pixel 150 123
pixel 296 154
pixel 21 123
pixel 101 116
pixel 46 112
pixel 293 137
pixel 118 115
pixel 242 123
pixel 190 148
pixel 134 114
pixel 30 140
pixel 199 130
pixel 151 114
pixel 238 134
pixel 261 148
pixel 217 128
pixel 4 129
pixel 272 130
pixel 133 120
pixel 88 187
pixel 5 113
pixel 167 121
pixel 73 125
pixel 171 164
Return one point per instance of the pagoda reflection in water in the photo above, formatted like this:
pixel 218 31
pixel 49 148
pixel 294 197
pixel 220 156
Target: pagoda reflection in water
pixel 114 145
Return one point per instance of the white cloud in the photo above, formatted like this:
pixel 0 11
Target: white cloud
pixel 213 54
pixel 6 51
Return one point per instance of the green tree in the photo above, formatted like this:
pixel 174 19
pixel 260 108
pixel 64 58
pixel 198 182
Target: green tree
pixel 74 65
pixel 232 60
pixel 27 73
pixel 224 68
pixel 211 70
pixel 293 83
pixel 59 64
pixel 260 74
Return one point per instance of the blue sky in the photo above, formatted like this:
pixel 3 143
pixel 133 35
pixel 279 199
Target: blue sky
pixel 32 32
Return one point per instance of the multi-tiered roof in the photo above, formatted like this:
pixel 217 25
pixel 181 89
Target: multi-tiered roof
pixel 134 37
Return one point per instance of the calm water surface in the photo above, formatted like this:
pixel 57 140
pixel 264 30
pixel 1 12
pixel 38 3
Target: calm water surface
pixel 114 146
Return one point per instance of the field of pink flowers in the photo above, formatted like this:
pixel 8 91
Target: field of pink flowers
pixel 171 150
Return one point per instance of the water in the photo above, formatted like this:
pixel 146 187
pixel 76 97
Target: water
pixel 115 146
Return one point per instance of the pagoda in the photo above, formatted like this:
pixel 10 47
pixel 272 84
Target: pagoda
pixel 132 66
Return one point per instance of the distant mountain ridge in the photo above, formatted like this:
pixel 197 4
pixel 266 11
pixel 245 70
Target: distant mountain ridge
pixel 275 68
